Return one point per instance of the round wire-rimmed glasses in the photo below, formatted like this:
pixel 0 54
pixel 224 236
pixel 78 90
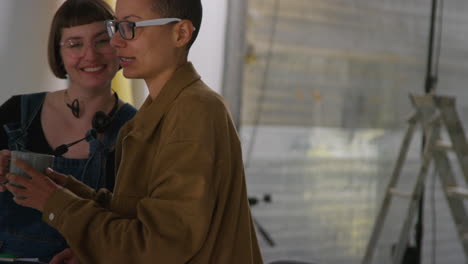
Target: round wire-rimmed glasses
pixel 76 47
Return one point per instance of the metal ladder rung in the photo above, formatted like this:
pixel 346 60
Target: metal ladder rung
pixel 433 113
pixel 458 191
pixel 440 146
pixel 400 193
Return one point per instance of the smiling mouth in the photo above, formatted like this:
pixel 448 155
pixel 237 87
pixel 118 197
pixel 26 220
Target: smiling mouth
pixel 93 69
pixel 126 59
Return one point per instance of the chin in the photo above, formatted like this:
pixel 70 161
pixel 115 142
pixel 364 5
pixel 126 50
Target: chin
pixel 129 74
pixel 95 85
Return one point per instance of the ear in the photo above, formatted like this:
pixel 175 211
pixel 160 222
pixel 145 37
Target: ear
pixel 183 33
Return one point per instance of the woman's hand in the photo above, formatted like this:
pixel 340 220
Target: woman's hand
pixel 35 192
pixel 66 256
pixel 58 178
pixel 4 167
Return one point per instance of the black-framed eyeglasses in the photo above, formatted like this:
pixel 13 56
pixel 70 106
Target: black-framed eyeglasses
pixel 127 28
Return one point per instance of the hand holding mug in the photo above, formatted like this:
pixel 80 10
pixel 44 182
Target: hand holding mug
pixel 4 168
pixel 27 180
pixel 33 191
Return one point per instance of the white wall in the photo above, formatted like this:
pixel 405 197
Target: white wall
pixel 24 29
pixel 207 53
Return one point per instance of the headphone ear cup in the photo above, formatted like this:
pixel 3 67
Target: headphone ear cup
pixel 101 121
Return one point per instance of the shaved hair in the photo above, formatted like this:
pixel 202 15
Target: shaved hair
pixel 184 9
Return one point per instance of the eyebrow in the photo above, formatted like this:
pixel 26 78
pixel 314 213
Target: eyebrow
pixel 129 16
pixel 104 32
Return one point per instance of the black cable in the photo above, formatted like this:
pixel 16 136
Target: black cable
pixel 429 82
pixel 261 97
pixel 429 87
pixel 435 46
pixel 439 38
pixel 440 9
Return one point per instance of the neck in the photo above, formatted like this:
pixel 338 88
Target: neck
pixel 82 93
pixel 90 102
pixel 156 83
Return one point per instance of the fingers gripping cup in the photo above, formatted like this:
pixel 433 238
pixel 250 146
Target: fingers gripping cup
pixel 38 161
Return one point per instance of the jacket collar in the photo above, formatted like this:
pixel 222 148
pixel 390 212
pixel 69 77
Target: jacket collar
pixel 152 111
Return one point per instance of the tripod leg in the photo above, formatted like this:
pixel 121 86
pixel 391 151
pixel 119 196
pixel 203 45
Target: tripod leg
pixel 264 233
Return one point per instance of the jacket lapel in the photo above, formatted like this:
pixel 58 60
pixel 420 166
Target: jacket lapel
pixel 151 112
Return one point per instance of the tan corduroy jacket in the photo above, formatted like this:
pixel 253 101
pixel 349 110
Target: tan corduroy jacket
pixel 180 195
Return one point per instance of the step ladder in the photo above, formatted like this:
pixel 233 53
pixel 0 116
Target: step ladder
pixel 433 113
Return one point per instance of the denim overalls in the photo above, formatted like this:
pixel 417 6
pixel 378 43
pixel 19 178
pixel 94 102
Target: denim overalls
pixel 22 232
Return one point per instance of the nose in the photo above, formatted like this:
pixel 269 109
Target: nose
pixel 90 52
pixel 117 41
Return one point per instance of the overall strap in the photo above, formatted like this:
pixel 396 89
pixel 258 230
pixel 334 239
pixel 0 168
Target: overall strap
pixel 17 132
pixel 125 113
pixel 100 149
pixel 30 106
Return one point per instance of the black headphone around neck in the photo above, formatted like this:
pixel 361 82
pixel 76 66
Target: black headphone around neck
pixel 101 120
pixel 100 123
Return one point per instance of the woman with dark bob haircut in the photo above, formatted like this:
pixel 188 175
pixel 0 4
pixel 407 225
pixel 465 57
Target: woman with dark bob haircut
pixel 78 50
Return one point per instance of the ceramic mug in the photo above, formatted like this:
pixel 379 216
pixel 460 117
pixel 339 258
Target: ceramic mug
pixel 38 161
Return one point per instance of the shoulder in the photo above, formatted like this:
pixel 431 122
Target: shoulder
pixel 13 103
pixel 15 100
pixel 126 112
pixel 33 101
pixel 198 113
pixel 199 97
pixel 10 110
pixel 34 97
pixel 128 108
